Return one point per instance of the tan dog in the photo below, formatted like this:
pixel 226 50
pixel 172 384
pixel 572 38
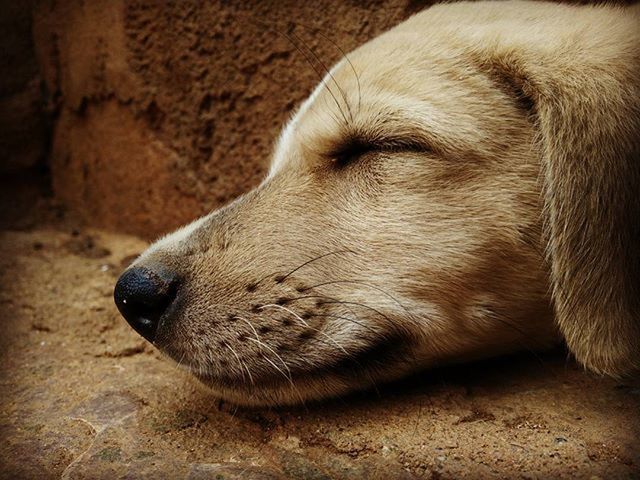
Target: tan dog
pixel 464 185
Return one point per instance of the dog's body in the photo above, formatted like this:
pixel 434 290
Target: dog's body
pixel 464 185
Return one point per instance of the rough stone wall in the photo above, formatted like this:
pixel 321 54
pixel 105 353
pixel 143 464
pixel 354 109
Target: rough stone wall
pixel 22 122
pixel 24 119
pixel 167 109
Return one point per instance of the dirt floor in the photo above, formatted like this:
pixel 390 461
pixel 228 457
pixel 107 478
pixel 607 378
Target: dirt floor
pixel 82 396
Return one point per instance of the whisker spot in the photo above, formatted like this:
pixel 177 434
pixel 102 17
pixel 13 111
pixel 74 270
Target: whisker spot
pixel 305 334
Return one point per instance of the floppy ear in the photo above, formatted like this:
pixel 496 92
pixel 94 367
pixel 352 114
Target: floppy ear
pixel 585 101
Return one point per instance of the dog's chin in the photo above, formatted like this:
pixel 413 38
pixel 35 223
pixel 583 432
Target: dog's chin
pixel 267 394
pixel 296 388
pixel 312 389
pixel 262 389
pixel 341 377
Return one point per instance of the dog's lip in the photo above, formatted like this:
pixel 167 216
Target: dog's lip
pixel 260 380
pixel 360 364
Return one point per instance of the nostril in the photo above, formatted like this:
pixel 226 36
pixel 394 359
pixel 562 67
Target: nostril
pixel 142 295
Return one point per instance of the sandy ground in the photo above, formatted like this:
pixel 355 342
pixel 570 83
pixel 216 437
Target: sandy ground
pixel 82 396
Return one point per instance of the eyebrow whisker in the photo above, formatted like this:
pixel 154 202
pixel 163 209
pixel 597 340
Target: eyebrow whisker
pixel 328 72
pixel 306 54
pixel 343 53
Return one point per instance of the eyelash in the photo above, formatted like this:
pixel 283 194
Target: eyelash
pixel 352 151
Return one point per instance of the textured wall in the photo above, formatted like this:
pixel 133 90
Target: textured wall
pixel 167 109
pixel 23 133
pixel 24 126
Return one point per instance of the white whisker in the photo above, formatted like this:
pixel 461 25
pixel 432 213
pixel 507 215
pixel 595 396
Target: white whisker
pixel 264 345
pixel 243 366
pixel 273 305
pixel 307 325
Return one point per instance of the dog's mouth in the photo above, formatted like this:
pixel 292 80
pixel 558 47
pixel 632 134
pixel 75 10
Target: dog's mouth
pixel 273 378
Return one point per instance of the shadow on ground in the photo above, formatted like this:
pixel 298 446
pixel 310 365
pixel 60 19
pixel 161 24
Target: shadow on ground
pixel 82 396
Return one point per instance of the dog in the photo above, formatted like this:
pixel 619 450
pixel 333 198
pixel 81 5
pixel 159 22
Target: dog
pixel 465 185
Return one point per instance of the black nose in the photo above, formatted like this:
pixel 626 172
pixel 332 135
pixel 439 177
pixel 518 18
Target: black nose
pixel 142 296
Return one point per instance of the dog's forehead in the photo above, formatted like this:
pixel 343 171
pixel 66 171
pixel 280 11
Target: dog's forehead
pixel 285 141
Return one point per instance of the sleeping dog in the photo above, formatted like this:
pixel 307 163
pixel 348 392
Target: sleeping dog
pixel 465 185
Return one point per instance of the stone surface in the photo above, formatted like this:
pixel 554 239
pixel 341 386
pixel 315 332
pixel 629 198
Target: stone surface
pixel 83 397
pixel 169 109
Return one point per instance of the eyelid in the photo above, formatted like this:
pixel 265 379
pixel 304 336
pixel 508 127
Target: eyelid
pixel 404 144
pixel 357 147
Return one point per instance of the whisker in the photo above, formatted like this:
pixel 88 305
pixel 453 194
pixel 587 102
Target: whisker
pixel 359 282
pixel 289 377
pixel 328 72
pixel 341 317
pixel 307 325
pixel 335 300
pixel 264 345
pixel 309 61
pixel 330 112
pixel 179 364
pixel 342 52
pixel 283 278
pixel 349 356
pixel 273 305
pixel 243 366
pixel 361 305
pixel 255 332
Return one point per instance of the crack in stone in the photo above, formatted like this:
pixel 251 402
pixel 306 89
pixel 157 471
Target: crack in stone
pixel 97 431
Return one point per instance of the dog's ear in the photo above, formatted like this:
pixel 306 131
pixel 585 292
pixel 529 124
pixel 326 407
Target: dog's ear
pixel 585 103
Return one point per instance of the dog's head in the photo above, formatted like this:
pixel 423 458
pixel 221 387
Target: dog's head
pixel 400 226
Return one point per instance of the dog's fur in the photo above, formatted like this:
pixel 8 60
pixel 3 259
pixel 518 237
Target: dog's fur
pixel 464 185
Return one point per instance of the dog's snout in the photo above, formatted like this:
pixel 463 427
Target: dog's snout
pixel 142 295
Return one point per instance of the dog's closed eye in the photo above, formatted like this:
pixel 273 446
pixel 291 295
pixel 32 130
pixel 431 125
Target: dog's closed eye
pixel 351 151
pixel 357 147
